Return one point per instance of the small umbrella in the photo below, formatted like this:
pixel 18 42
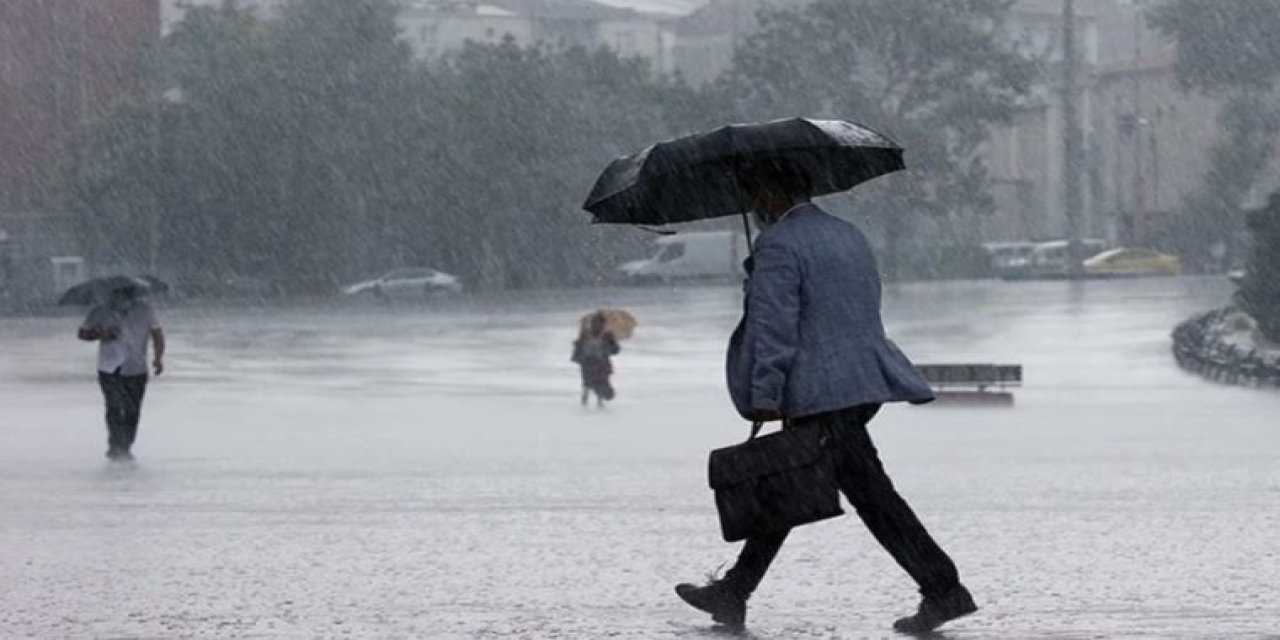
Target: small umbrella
pixel 98 290
pixel 618 322
pixel 698 176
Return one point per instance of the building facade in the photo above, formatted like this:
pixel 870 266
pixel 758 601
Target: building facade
pixel 1026 157
pixel 706 38
pixel 1147 141
pixel 63 63
pixel 435 27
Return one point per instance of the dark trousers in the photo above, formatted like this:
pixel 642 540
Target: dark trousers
pixel 863 481
pixel 123 395
pixel 595 377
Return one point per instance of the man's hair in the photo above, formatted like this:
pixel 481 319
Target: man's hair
pixel 775 176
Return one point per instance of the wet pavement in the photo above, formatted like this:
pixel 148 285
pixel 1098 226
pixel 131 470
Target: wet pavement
pixel 424 470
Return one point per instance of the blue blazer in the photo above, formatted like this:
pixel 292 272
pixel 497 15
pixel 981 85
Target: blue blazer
pixel 811 339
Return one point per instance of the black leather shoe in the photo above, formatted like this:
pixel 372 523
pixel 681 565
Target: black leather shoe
pixel 724 606
pixel 935 612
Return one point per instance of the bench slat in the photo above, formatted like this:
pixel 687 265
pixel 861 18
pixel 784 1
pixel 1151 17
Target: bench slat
pixel 979 375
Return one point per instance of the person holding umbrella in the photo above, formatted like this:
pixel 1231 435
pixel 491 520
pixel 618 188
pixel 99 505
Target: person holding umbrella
pixel 811 349
pixel 121 326
pixel 597 342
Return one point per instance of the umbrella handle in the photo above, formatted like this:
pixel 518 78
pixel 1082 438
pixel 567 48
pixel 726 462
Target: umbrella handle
pixel 746 226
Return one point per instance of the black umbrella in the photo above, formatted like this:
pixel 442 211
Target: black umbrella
pixel 698 176
pixel 99 290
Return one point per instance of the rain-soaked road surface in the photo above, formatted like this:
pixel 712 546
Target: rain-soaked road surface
pixel 426 472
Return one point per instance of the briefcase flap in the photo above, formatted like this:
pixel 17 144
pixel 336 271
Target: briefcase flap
pixel 766 455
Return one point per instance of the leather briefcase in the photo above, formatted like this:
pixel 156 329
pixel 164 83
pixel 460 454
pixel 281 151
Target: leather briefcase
pixel 774 482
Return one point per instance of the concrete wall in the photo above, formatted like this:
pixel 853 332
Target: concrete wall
pixel 61 64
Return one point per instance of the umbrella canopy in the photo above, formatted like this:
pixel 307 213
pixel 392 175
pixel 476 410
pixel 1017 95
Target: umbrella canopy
pixel 618 322
pixel 98 290
pixel 698 176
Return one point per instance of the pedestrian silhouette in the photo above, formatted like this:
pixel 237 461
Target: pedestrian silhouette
pixel 592 352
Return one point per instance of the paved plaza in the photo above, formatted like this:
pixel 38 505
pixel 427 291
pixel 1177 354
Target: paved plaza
pixel 421 471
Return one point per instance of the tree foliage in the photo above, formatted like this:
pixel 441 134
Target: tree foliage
pixel 932 74
pixel 1213 214
pixel 1260 293
pixel 1223 45
pixel 523 133
pixel 1226 50
pixel 313 149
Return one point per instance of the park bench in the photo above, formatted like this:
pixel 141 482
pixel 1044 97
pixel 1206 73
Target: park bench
pixel 976 383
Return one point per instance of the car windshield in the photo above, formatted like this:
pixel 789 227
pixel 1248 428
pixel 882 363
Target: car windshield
pixel 407 274
pixel 670 252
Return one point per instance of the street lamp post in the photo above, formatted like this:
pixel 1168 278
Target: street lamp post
pixel 1072 142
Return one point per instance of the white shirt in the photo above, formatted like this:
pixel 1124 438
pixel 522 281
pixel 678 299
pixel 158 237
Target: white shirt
pixel 127 354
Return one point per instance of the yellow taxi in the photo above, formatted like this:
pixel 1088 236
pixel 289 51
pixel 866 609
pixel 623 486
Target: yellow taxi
pixel 1129 262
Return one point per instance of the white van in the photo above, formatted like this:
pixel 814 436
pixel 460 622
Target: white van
pixel 691 256
pixel 1009 257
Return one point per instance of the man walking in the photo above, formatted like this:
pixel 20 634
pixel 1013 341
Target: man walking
pixel 811 350
pixel 121 328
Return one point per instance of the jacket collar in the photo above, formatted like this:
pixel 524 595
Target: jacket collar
pixel 800 209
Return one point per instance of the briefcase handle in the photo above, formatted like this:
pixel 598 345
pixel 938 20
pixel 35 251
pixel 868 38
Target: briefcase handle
pixel 757 425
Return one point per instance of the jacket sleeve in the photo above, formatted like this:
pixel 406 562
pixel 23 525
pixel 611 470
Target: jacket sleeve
pixel 773 310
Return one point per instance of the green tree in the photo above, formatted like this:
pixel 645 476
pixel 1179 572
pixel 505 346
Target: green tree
pixel 1259 295
pixel 313 148
pixel 341 80
pixel 1223 46
pixel 217 178
pixel 1226 50
pixel 109 191
pixel 1213 214
pixel 932 74
pixel 522 132
pixel 284 154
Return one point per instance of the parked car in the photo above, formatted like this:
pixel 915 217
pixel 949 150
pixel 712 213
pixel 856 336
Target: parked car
pixel 408 282
pixel 691 255
pixel 1129 262
pixel 1047 260
pixel 1053 256
pixel 1008 256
